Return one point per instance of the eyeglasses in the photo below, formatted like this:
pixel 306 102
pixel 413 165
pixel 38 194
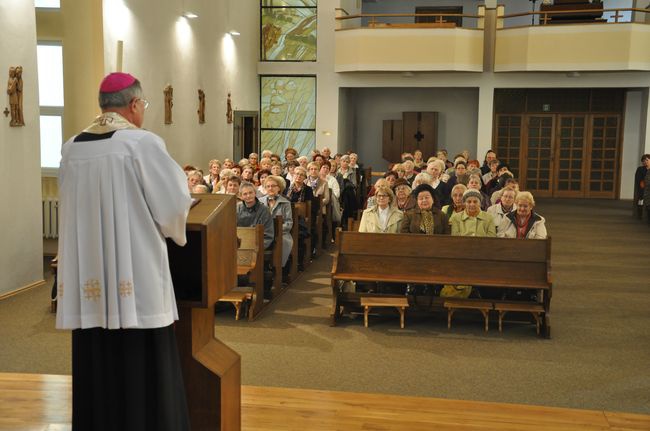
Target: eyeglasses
pixel 145 102
pixel 382 196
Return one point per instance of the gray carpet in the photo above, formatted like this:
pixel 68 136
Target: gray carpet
pixel 598 357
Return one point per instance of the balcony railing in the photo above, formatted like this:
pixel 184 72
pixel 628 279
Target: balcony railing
pixel 408 20
pixel 582 16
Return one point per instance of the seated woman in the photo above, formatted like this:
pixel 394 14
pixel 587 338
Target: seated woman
pixel 507 204
pixel 403 197
pixel 472 221
pixel 383 217
pixel 475 183
pixel 371 202
pixel 456 205
pixel 301 192
pixel 523 222
pixel 279 205
pixel 251 212
pixel 424 178
pixel 426 218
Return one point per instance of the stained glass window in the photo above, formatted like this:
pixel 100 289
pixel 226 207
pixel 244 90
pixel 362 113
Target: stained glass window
pixel 288 30
pixel 288 119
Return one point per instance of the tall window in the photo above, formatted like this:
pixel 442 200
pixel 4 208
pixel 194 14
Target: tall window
pixel 50 92
pixel 288 113
pixel 288 30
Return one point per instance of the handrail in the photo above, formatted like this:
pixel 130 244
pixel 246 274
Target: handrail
pixel 403 15
pixel 342 10
pixel 544 15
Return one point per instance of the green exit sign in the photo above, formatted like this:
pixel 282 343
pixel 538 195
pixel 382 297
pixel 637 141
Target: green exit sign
pixel 546 107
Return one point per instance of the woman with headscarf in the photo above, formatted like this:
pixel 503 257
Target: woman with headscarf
pixel 472 221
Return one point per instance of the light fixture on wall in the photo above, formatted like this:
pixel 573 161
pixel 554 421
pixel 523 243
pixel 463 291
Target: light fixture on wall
pixel 234 33
pixel 573 74
pixel 189 15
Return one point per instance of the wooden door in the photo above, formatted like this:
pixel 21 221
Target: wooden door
pixel 538 169
pixel 604 156
pixel 570 152
pixel 508 141
pixel 420 132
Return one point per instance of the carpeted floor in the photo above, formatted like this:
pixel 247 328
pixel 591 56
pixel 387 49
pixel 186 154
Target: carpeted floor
pixel 598 357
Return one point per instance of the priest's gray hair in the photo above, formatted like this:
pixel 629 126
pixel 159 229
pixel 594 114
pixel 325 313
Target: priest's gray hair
pixel 121 98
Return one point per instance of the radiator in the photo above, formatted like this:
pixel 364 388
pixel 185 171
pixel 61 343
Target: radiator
pixel 50 218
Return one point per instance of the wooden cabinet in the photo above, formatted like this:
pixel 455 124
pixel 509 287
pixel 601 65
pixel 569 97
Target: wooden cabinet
pixel 416 131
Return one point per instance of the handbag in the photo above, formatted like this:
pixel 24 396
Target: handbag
pixel 455 291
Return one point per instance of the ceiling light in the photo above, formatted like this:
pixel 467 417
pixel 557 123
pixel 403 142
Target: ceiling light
pixel 189 15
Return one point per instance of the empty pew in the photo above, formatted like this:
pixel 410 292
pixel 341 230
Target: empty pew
pixel 442 259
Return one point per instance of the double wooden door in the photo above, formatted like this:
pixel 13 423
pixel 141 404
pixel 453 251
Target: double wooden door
pixel 562 155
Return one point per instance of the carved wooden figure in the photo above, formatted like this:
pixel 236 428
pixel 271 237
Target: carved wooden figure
pixel 169 102
pixel 14 90
pixel 229 110
pixel 201 110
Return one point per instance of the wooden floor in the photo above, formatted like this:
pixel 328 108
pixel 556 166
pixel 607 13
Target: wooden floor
pixel 34 402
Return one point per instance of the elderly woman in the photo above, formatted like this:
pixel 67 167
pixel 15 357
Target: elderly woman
pixel 279 205
pixel 319 186
pixel 345 172
pixel 261 175
pixel 472 221
pixel 460 172
pixel 247 173
pixel 371 201
pixel 214 167
pixel 409 172
pixel 251 212
pixel 228 164
pixel 475 183
pixel 456 205
pixel 499 210
pixel 523 222
pixel 299 191
pixel 423 178
pixel 403 197
pixel 232 186
pixel 194 178
pixel 383 217
pixel 426 218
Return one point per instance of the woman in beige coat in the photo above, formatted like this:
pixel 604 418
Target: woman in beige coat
pixel 384 217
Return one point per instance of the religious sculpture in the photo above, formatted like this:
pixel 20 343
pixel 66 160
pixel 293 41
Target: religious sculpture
pixel 169 102
pixel 15 92
pixel 201 110
pixel 229 110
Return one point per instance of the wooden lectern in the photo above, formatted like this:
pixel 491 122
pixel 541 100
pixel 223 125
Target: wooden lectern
pixel 203 271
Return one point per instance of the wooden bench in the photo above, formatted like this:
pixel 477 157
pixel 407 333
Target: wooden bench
pixel 328 232
pixel 273 257
pixel 368 302
pixel 317 231
pixel 250 261
pixel 468 304
pixel 499 263
pixel 237 299
pixel 302 211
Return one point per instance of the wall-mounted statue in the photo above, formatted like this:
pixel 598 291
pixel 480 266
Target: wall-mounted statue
pixel 169 102
pixel 15 92
pixel 229 110
pixel 201 110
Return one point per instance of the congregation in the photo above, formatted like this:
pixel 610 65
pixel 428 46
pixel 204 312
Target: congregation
pixel 461 196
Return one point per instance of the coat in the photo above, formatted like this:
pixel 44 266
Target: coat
pixel 498 214
pixel 536 228
pixel 282 208
pixel 370 220
pixel 413 219
pixel 464 225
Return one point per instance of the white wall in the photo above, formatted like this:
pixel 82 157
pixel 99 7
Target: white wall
pixel 21 256
pixel 632 141
pixel 161 47
pixel 457 118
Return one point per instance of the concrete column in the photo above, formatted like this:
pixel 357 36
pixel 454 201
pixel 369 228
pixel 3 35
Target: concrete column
pixel 485 118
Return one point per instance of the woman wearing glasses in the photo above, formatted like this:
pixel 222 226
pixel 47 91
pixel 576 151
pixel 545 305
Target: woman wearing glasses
pixel 383 217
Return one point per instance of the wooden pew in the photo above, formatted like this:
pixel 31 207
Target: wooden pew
pixel 274 257
pixel 250 261
pixel 303 211
pixel 293 266
pixel 317 232
pixel 328 233
pixel 442 259
pixel 353 223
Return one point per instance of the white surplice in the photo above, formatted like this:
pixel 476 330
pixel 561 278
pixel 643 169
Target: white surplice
pixel 119 198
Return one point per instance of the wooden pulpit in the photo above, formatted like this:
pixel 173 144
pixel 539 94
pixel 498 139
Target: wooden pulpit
pixel 202 272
